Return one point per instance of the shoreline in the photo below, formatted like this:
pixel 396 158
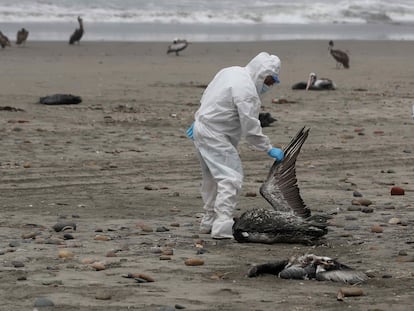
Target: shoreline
pixel 152 32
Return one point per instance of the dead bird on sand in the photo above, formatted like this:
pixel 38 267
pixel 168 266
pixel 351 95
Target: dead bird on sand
pixel 290 221
pixel 309 267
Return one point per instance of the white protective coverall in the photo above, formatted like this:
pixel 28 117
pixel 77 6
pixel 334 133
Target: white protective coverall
pixel 229 110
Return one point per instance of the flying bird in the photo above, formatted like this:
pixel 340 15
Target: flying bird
pixel 177 46
pixel 315 84
pixel 290 221
pixel 341 57
pixel 310 267
pixel 4 41
pixel 78 33
pixel 21 36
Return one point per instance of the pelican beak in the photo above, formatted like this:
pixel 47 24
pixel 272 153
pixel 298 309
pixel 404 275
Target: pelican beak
pixel 311 81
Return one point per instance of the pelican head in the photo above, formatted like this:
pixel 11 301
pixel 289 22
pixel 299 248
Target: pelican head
pixel 311 80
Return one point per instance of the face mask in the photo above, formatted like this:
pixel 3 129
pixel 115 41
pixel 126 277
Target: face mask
pixel 265 88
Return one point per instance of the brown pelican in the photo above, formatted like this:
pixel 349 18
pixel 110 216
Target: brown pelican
pixel 78 33
pixel 290 221
pixel 4 41
pixel 309 267
pixel 315 84
pixel 177 46
pixel 266 119
pixel 21 36
pixel 340 56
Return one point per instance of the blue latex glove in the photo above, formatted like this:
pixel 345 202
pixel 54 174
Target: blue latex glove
pixel 276 153
pixel 190 132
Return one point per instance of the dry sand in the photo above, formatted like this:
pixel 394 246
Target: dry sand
pixel 120 162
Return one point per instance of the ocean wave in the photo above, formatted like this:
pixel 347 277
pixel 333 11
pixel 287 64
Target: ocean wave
pixel 209 12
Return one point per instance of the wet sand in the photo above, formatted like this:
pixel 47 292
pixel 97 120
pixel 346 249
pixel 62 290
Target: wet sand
pixel 120 167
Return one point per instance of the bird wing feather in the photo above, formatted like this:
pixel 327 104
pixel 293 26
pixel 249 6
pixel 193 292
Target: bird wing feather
pixel 280 188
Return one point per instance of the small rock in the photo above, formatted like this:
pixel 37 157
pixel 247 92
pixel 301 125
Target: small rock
pixel 251 194
pixel 364 202
pixel 194 262
pixel 65 254
pixel 165 257
pixel 145 227
pixel 367 209
pixel 179 307
pixel 111 254
pixel 402 253
pixel 102 295
pixel 377 229
pixel 175 224
pixel 357 194
pixel 42 302
pixel 397 191
pixel 394 221
pixel 102 238
pixel 351 228
pixel 17 264
pixel 98 266
pixel 354 208
pixel 150 187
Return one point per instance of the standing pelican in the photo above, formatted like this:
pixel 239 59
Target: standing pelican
pixel 177 46
pixel 78 33
pixel 340 56
pixel 308 267
pixel 4 41
pixel 290 221
pixel 21 36
pixel 315 84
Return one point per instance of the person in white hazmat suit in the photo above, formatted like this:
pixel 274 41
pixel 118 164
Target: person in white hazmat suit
pixel 229 110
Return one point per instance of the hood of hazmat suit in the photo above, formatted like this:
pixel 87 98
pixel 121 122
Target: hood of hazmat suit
pixel 229 110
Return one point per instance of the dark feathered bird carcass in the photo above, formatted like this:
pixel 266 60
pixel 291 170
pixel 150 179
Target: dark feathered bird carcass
pixel 60 99
pixel 290 221
pixel 341 57
pixel 310 267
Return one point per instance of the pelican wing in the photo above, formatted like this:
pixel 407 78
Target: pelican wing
pixel 177 47
pixel 280 188
pixel 346 276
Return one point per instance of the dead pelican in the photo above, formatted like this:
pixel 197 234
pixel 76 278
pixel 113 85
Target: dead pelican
pixel 341 57
pixel 290 221
pixel 78 33
pixel 21 36
pixel 4 41
pixel 177 46
pixel 309 267
pixel 315 84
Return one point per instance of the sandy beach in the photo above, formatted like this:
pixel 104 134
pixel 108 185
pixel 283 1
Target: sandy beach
pixel 120 167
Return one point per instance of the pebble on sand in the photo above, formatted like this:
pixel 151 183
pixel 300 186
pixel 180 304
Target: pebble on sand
pixel 65 254
pixel 349 292
pixel 364 202
pixel 98 266
pixel 42 302
pixel 377 229
pixel 99 237
pixel 397 191
pixel 194 262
